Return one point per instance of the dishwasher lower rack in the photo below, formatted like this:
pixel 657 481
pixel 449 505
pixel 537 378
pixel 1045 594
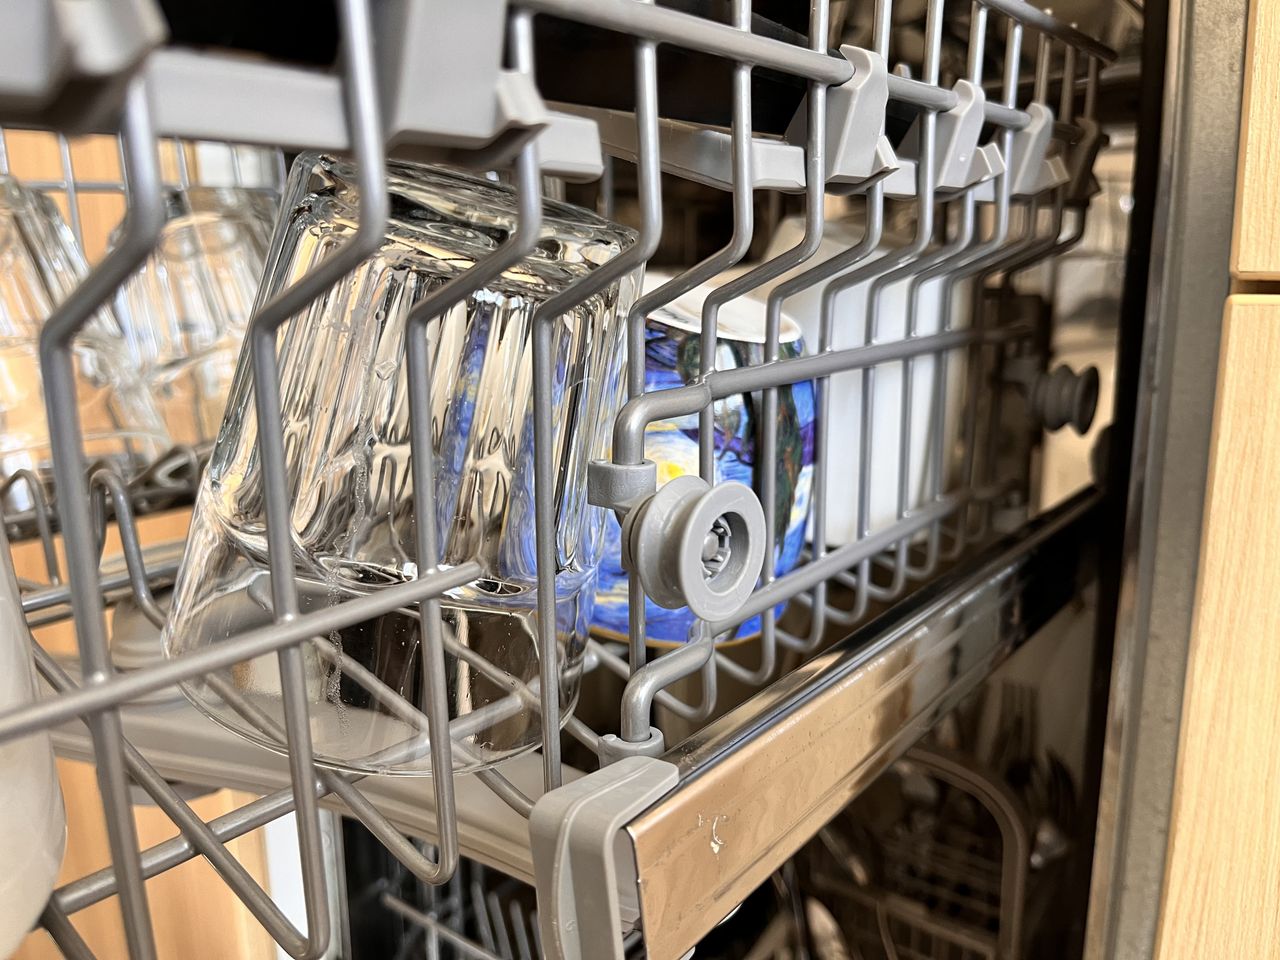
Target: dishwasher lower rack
pixel 665 837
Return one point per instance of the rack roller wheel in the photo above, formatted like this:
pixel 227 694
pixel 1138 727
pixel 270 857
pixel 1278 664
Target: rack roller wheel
pixel 697 545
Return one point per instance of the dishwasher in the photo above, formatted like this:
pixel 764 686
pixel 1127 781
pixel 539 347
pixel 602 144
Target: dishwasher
pixel 645 447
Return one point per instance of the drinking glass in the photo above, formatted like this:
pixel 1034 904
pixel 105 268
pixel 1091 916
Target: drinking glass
pixel 346 427
pixel 185 311
pixel 39 266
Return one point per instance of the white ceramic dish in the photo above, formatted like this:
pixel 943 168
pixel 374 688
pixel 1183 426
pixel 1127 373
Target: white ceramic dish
pixel 33 824
pixel 843 480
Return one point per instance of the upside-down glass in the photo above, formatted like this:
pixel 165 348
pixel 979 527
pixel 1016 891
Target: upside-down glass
pixel 346 427
pixel 185 310
pixel 39 266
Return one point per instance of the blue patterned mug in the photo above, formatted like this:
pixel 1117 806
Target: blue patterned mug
pixel 672 355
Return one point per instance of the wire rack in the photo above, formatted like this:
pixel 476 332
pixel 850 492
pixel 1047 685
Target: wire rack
pixel 951 886
pixel 1010 192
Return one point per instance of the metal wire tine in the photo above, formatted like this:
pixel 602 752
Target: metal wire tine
pixel 130 544
pixel 68 939
pixel 98 886
pixel 520 928
pixel 767 433
pixel 197 832
pixel 989 251
pixel 841 559
pixel 184 168
pixel 583 734
pixel 977 41
pixel 1067 101
pixel 728 255
pixel 237 173
pixel 122 687
pixel 545 487
pixel 960 247
pixel 42 510
pixel 664 698
pixel 1091 89
pixel 932 265
pixel 649 183
pixel 638 695
pixel 964 249
pixel 605 204
pixel 691 32
pixel 881 27
pixel 512 251
pixel 37 598
pixel 506 791
pixel 910 260
pixel 481 913
pixel 739 243
pixel 141 227
pixel 820 273
pixel 364 125
pixel 1044 64
pixel 501 932
pixel 1040 247
pixel 680 401
pixel 452 937
pixel 1025 250
pixel 73 198
pixel 356 802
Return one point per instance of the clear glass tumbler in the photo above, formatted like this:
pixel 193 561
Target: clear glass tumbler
pixel 40 264
pixel 346 427
pixel 186 309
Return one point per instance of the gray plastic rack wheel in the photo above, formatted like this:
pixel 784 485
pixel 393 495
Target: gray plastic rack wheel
pixel 697 545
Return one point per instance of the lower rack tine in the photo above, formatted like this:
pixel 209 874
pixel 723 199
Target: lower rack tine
pixel 502 934
pixel 257 900
pixel 481 913
pixel 456 940
pixel 68 939
pixel 361 108
pixel 176 851
pixel 397 844
pixel 142 226
pixel 42 509
pixel 520 927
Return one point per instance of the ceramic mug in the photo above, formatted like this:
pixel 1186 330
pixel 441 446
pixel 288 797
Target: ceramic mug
pixel 672 356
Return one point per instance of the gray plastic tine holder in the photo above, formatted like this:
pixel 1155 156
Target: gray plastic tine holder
pixel 857 152
pixel 586 884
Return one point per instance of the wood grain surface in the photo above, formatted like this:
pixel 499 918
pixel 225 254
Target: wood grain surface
pixel 1255 249
pixel 1222 877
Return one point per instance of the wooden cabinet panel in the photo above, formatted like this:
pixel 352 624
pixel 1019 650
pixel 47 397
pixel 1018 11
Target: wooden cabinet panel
pixel 1255 250
pixel 1221 899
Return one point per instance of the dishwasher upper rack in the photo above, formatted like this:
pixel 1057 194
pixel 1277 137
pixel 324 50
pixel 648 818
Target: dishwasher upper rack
pixel 1017 186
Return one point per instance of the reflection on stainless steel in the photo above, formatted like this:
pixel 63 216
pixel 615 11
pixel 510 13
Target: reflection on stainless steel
pixel 814 738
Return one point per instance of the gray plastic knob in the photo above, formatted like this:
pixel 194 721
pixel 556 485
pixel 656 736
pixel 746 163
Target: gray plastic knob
pixel 1064 396
pixel 696 545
